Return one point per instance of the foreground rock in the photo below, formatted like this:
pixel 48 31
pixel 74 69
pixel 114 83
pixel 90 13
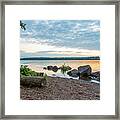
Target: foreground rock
pixel 85 70
pixel 33 81
pixel 73 73
pixel 96 75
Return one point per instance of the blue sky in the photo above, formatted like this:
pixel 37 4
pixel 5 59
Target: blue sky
pixel 60 38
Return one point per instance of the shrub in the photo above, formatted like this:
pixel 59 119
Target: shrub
pixel 24 70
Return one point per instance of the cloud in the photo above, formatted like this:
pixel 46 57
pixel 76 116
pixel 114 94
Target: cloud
pixel 46 35
pixel 34 46
pixel 64 53
pixel 75 53
pixel 38 49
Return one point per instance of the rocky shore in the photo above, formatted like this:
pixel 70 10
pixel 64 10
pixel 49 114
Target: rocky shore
pixel 83 72
pixel 60 89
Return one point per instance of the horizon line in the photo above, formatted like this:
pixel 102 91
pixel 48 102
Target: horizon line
pixel 62 58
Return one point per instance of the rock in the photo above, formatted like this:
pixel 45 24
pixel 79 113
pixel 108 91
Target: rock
pixel 49 67
pixel 33 81
pixel 85 70
pixel 73 73
pixel 44 68
pixel 55 68
pixel 96 75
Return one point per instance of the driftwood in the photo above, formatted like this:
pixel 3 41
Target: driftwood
pixel 33 81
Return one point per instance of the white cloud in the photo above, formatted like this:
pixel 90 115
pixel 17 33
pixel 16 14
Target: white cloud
pixel 34 47
pixel 77 53
pixel 37 47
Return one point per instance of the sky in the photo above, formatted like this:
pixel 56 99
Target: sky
pixel 60 38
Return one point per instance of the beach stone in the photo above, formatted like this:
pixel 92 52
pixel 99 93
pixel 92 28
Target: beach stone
pixel 44 68
pixel 85 70
pixel 49 67
pixel 96 75
pixel 73 73
pixel 55 68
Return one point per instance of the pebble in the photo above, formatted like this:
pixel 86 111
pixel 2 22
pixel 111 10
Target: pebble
pixel 62 89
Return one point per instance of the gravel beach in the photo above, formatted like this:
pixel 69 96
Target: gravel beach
pixel 62 89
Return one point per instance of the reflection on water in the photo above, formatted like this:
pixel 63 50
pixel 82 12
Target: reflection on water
pixel 37 65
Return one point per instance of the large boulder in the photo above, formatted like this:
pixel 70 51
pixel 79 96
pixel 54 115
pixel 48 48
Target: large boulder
pixel 85 70
pixel 73 73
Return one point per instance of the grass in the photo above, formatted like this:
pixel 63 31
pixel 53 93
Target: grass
pixel 64 68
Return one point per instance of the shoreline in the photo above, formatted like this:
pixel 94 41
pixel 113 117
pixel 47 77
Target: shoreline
pixel 72 78
pixel 61 89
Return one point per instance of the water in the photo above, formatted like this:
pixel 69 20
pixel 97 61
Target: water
pixel 37 65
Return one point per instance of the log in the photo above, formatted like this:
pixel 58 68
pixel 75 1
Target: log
pixel 33 81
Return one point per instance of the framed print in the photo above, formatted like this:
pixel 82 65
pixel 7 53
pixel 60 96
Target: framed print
pixel 60 60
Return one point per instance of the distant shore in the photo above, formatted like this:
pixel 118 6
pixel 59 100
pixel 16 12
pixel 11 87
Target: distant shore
pixel 61 58
pixel 61 89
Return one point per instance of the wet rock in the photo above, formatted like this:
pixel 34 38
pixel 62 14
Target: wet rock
pixel 85 70
pixel 55 68
pixel 49 67
pixel 73 73
pixel 44 68
pixel 95 75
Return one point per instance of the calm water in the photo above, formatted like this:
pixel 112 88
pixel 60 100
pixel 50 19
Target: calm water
pixel 37 65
